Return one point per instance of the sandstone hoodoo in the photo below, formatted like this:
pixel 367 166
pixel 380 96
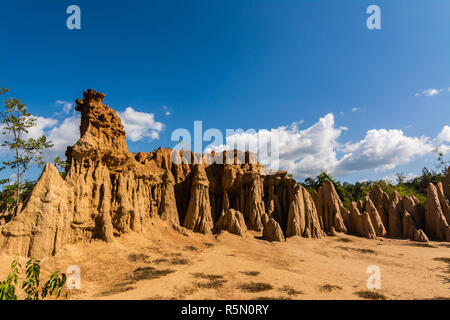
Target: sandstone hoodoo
pixel 330 208
pixel 232 221
pixel 108 191
pixel 272 231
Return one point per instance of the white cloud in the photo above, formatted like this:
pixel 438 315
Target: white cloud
pixel 381 150
pixel 444 135
pixel 301 152
pixel 444 149
pixel 393 179
pixel 390 179
pixel 430 92
pixel 140 125
pixel 354 109
pixel 42 124
pixel 167 113
pixel 442 140
pixel 67 106
pixel 305 153
pixel 62 136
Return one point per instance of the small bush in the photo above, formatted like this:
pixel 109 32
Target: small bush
pixel 200 275
pixel 213 284
pixel 329 288
pixel 137 257
pixel 290 291
pixel 255 287
pixel 371 295
pixel 31 284
pixel 179 261
pixel 149 273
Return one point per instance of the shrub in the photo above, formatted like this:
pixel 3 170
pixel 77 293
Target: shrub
pixel 31 284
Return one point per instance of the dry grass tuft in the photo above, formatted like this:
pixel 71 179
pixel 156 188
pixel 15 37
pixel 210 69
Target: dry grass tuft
pixel 134 257
pixel 290 291
pixel 371 295
pixel 250 273
pixel 149 273
pixel 357 250
pixel 212 284
pixel 255 287
pixel 330 288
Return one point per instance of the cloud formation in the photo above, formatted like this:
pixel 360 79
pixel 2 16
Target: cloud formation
pixel 63 135
pixel 65 132
pixel 67 106
pixel 304 153
pixel 381 150
pixel 431 92
pixel 442 140
pixel 140 125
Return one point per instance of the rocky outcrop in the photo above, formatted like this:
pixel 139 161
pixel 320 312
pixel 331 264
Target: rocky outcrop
pixel 360 223
pixel 302 218
pixel 395 209
pixel 381 201
pixel 198 217
pixel 443 200
pixel 272 231
pixel 408 225
pixel 375 218
pixel 329 208
pixel 436 224
pixel 43 226
pixel 404 217
pixel 232 221
pixel 108 191
pixel 420 236
pixel 368 230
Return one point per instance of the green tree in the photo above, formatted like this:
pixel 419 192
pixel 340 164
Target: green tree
pixel 401 178
pixel 31 284
pixel 15 122
pixel 442 165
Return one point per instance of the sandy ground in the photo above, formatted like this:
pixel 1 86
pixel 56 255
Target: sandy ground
pixel 163 264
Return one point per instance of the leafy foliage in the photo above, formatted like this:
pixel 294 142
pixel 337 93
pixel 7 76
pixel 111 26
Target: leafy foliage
pixel 31 284
pixel 15 122
pixel 8 287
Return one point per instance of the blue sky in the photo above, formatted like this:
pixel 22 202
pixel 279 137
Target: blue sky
pixel 246 64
